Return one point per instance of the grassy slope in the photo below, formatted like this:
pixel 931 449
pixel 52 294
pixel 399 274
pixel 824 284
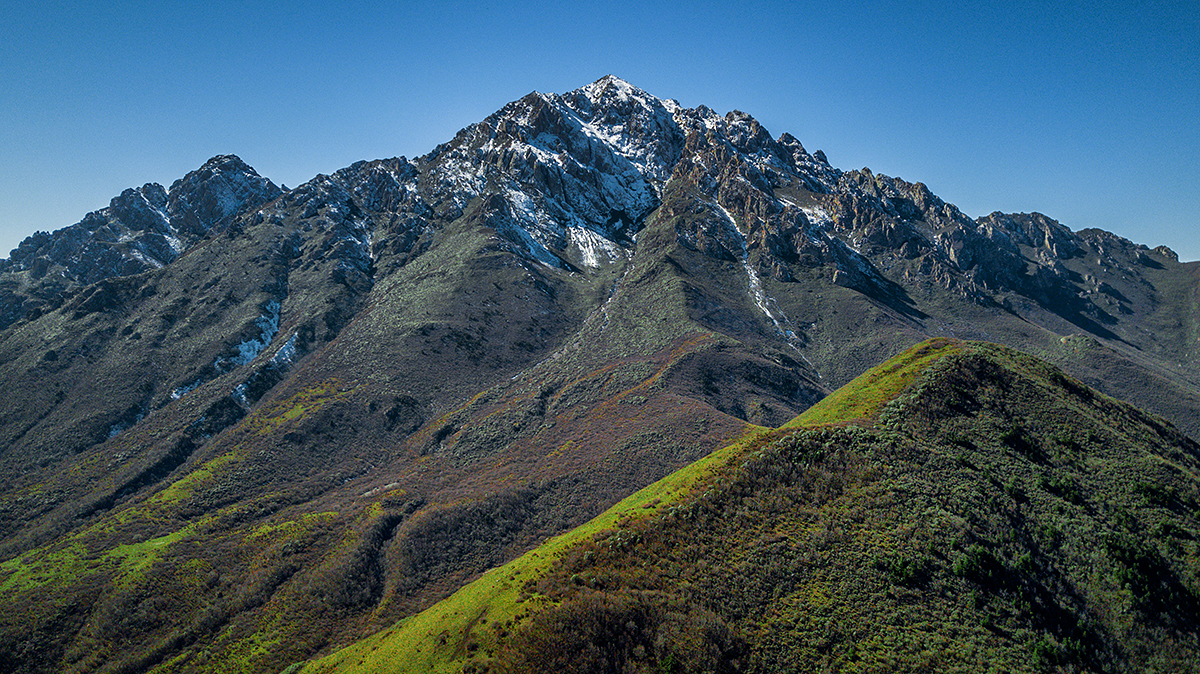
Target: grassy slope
pixel 996 516
pixel 961 507
pixel 444 636
pixel 866 394
pixel 447 635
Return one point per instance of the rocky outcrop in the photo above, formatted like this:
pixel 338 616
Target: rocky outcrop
pixel 568 181
pixel 142 228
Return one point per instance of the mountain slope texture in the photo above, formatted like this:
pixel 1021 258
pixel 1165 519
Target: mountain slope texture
pixel 243 426
pixel 962 507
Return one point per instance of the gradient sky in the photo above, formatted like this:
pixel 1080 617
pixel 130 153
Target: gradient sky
pixel 1088 112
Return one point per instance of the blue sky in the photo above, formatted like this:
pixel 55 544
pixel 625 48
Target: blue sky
pixel 1088 112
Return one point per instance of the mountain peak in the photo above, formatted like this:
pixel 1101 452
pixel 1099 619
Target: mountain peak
pixel 613 82
pixel 229 165
pixel 141 229
pixel 446 361
pixel 610 91
pixel 226 161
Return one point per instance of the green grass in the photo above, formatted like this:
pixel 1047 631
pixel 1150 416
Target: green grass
pixel 472 621
pixel 133 560
pixel 290 528
pixel 59 565
pixel 304 403
pixel 866 395
pixel 443 637
pixel 186 486
pixel 53 566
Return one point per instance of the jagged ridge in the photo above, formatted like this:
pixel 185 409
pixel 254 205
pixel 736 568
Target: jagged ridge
pixel 365 390
pixel 952 522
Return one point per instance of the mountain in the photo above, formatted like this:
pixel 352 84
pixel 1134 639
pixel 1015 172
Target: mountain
pixel 142 229
pixel 242 426
pixel 961 507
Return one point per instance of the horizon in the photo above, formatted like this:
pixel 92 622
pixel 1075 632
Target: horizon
pixel 1085 114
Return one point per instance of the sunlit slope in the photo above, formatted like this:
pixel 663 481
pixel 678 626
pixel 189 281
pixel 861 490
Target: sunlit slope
pixel 464 627
pixel 962 507
pixel 866 394
pixel 449 634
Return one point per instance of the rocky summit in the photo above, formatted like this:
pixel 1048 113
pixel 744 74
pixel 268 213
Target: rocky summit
pixel 244 426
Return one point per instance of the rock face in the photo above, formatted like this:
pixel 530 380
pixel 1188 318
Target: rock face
pixel 142 229
pixel 569 180
pixel 362 391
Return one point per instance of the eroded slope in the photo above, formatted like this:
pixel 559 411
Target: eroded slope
pixel 963 507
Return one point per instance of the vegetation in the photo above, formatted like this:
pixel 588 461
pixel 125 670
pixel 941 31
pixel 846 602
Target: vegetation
pixel 337 407
pixel 992 518
pixel 446 636
pixel 865 395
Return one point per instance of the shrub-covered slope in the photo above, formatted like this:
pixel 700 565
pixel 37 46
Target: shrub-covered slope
pixel 241 426
pixel 963 507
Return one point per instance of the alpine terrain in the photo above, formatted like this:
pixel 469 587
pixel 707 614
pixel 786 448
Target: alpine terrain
pixel 244 427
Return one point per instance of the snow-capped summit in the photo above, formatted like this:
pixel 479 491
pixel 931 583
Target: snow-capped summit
pixel 141 229
pixel 569 180
pixel 638 126
pixel 444 359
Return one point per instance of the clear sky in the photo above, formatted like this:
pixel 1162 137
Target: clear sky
pixel 1088 112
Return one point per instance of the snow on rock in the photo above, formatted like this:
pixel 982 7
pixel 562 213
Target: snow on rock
pixel 286 354
pixel 818 216
pixel 121 426
pixel 593 248
pixel 580 171
pixel 239 394
pixel 523 222
pixel 185 389
pixel 248 350
pixel 142 257
pixel 638 126
pixel 754 284
pixel 212 195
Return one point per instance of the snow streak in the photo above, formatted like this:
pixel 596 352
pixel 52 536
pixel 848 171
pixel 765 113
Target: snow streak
pixel 760 297
pixel 248 350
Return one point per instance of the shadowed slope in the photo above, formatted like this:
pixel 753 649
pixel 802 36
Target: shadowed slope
pixel 987 512
pixel 319 411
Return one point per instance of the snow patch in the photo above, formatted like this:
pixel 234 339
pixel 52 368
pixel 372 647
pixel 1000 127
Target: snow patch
pixel 174 242
pixel 756 291
pixel 459 177
pixel 286 353
pixel 186 389
pixel 523 204
pixel 117 428
pixel 369 243
pixel 593 248
pixel 817 216
pixel 139 255
pixel 525 212
pixel 248 350
pixel 760 297
pixel 387 487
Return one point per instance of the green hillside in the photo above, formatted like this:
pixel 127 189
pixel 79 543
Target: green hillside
pixel 244 427
pixel 449 634
pixel 961 507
